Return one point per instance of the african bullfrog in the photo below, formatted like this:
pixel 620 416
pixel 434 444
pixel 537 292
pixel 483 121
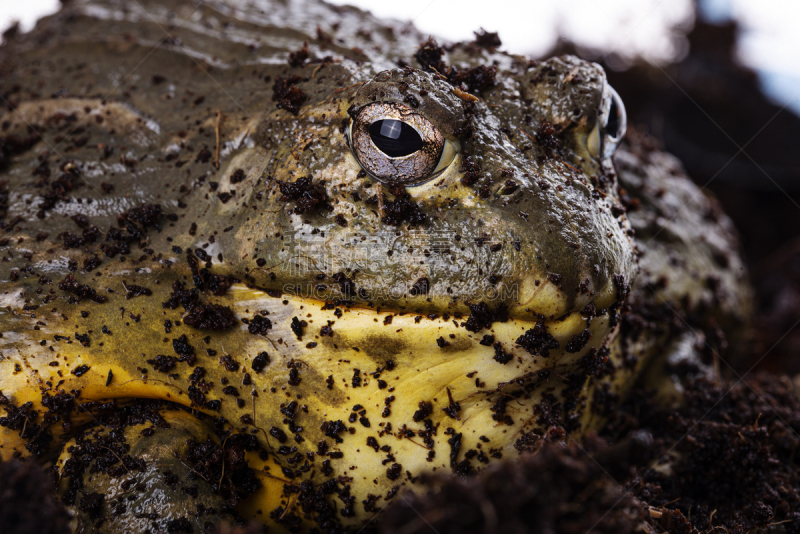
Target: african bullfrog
pixel 273 262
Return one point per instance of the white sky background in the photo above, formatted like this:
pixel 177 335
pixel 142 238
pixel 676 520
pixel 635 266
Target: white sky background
pixel 26 12
pixel 532 26
pixel 770 41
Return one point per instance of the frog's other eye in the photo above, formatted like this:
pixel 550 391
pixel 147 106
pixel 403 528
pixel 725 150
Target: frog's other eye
pixel 394 143
pixel 612 121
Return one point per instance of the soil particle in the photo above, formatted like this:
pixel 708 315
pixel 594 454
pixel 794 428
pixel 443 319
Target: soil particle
pixel 210 317
pixel 141 218
pixel 288 95
pixel 476 79
pixel 488 40
pixel 453 408
pixel 203 155
pixel 299 57
pixel 424 411
pixel 538 341
pixel 237 176
pixel 500 355
pixel 420 287
pixel 578 341
pixel 402 209
pixel 430 57
pixel 278 434
pixel 259 325
pixel 260 362
pixel 308 196
pixel 623 289
pixel 82 291
pixel 471 171
pixel 482 316
pixel 547 137
pixel 163 363
pixel 184 350
pixel 217 284
pixel 346 285
pixel 394 472
pixel 132 291
pixel 332 429
pixel 181 297
pixel 80 370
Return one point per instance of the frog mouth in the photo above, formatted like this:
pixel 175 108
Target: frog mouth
pixel 458 350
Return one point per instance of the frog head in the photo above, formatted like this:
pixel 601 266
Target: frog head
pixel 444 268
pixel 406 193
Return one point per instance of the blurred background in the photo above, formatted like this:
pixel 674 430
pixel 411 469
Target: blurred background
pixel 716 82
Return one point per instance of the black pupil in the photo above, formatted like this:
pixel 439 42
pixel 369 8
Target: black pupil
pixel 612 127
pixel 395 138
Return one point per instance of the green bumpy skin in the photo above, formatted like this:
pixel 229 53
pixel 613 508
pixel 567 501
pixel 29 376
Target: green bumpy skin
pixel 357 333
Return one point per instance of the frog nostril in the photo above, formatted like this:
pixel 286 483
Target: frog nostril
pixel 508 188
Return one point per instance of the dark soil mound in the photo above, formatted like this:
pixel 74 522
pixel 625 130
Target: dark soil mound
pixel 28 504
pixel 724 462
pixel 560 489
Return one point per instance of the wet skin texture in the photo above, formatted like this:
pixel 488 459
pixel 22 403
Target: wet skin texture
pixel 334 334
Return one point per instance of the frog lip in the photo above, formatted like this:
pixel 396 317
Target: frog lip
pixel 533 341
pixel 417 305
pixel 485 311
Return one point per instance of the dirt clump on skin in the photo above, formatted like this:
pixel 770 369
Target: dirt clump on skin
pixel 210 317
pixel 307 195
pixel 403 209
pixel 287 94
pixel 430 57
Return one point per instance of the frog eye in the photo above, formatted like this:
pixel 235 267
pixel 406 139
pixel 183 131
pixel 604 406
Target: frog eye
pixel 612 121
pixel 394 143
